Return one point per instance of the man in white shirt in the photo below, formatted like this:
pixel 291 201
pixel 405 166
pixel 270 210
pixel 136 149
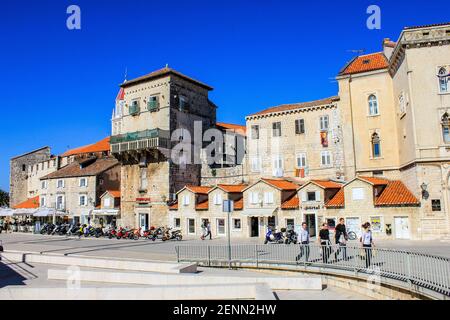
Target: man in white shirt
pixel 303 238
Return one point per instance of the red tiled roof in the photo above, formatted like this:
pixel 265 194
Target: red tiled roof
pixel 291 203
pixel 294 106
pixel 161 73
pixel 230 126
pixel 239 204
pixel 31 203
pixel 396 193
pixel 375 181
pixel 120 95
pixel 365 63
pixel 114 193
pixel 232 188
pixel 76 170
pixel 204 205
pixel 100 146
pixel 327 184
pixel 281 184
pixel 199 189
pixel 174 206
pixel 338 201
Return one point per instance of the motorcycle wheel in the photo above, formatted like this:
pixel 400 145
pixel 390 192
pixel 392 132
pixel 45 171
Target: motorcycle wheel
pixel 164 239
pixel 179 237
pixel 135 237
pixel 265 241
pixel 118 237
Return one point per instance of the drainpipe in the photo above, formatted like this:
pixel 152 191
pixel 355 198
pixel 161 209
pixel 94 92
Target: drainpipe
pixel 352 123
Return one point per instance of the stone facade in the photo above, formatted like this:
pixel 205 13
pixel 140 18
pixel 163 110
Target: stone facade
pixel 19 166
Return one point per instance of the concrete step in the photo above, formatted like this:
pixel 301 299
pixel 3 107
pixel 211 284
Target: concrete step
pixel 274 282
pixel 183 292
pixel 103 263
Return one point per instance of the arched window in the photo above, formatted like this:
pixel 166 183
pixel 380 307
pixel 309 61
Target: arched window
pixel 376 150
pixel 373 105
pixel 443 76
pixel 445 122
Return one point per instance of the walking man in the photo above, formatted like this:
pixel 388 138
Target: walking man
pixel 340 238
pixel 304 243
pixel 208 230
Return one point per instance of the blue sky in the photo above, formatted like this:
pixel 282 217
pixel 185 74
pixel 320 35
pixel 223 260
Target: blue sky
pixel 58 86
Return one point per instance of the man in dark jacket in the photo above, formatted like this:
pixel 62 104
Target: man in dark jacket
pixel 341 238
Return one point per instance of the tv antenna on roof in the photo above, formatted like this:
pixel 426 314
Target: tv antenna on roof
pixel 126 75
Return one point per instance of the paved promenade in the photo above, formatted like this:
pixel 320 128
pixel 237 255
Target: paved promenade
pixel 158 250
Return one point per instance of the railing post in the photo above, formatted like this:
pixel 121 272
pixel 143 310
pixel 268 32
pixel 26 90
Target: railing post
pixel 408 269
pixel 209 256
pixel 256 255
pixel 177 249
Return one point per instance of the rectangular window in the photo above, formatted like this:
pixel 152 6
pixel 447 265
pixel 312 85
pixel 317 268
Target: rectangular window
pixel 277 162
pixel 43 201
pixel 256 164
pixel 182 103
pixel 221 226
pixel 255 132
pixel 60 202
pixel 237 224
pixel 276 129
pixel 177 223
pixel 217 198
pixel 191 226
pixel 83 182
pixel 134 107
pixel 290 224
pixel 436 205
pixel 299 126
pixel 153 103
pixel 143 183
pixel 44 184
pixel 186 200
pixel 82 200
pixel 311 196
pixel 60 183
pixel 301 160
pixel 358 194
pixel 324 123
pixel 253 197
pixel 268 197
pixel 325 157
pixel 107 202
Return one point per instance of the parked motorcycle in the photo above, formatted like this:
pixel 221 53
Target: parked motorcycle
pixel 274 237
pixel 73 229
pixel 291 237
pixel 172 234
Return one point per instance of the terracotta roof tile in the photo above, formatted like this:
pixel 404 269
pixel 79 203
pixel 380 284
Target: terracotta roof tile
pixel 161 73
pixel 204 205
pixel 114 193
pixel 199 189
pixel 282 184
pixel 365 63
pixel 338 201
pixel 232 188
pixel 396 193
pixel 174 206
pixel 32 203
pixel 291 203
pixel 375 181
pixel 428 26
pixel 230 126
pixel 75 170
pixel 100 146
pixel 327 184
pixel 294 106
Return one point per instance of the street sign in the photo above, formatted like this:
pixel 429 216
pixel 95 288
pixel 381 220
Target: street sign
pixel 228 205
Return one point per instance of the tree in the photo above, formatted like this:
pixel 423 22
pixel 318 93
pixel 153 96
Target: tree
pixel 4 199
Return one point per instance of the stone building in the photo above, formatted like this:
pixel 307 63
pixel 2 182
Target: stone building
pixel 397 104
pixel 19 166
pixel 302 141
pixel 150 112
pixel 77 187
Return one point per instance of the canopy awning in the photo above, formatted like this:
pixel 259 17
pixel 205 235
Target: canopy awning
pixel 106 212
pixel 24 212
pixel 48 212
pixel 259 212
pixel 6 212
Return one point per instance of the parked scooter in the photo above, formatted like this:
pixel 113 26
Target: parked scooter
pixel 291 237
pixel 274 237
pixel 172 234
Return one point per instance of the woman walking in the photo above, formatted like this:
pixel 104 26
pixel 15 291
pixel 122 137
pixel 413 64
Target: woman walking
pixel 367 243
pixel 324 240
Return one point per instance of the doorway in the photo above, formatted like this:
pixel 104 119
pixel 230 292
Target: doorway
pixel 254 227
pixel 143 221
pixel 402 228
pixel 310 220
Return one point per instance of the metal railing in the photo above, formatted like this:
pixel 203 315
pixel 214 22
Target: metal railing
pixel 416 270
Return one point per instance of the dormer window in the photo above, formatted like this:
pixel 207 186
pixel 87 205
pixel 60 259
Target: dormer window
pixel 366 61
pixel 443 76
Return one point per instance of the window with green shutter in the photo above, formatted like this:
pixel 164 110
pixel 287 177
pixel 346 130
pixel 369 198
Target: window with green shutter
pixel 153 104
pixel 134 108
